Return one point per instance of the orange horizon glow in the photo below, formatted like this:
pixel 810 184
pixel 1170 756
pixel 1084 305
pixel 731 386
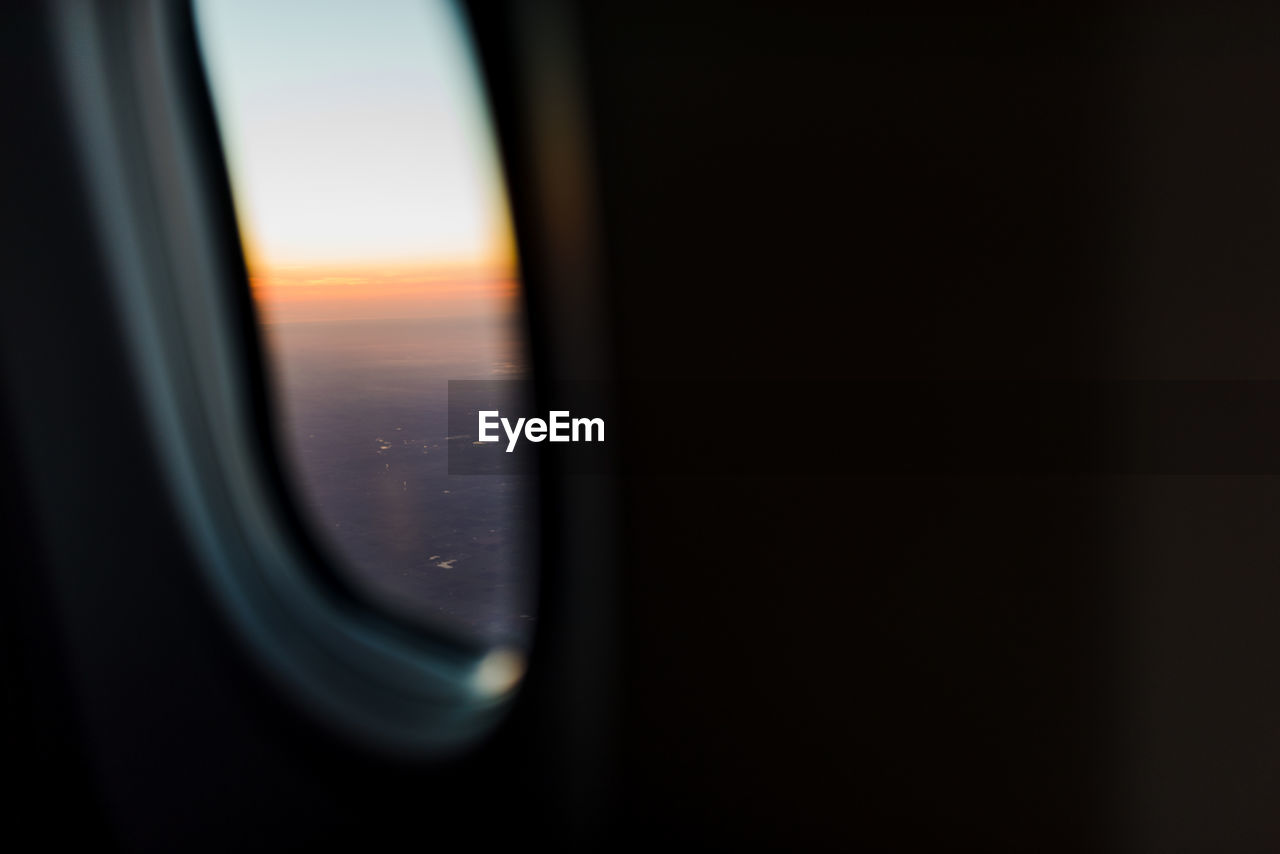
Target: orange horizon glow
pixel 362 156
pixel 365 291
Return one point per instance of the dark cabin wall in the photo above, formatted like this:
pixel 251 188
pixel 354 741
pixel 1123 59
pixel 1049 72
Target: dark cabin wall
pixel 814 191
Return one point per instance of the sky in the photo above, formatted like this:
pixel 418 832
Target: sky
pixel 362 159
pixel 367 187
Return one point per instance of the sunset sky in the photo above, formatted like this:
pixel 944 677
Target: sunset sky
pixel 362 158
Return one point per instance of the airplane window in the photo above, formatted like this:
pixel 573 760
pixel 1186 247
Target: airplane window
pixel 375 226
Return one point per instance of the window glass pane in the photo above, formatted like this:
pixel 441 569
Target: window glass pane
pixel 375 225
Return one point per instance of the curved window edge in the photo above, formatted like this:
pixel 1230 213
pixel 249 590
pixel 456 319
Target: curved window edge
pixel 129 74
